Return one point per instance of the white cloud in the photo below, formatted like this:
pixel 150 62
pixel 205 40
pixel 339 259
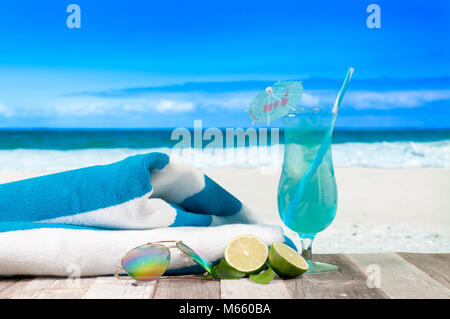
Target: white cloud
pixel 231 101
pixel 314 100
pixel 174 106
pixel 375 100
pixel 5 111
pixel 103 106
pixel 82 108
pixel 235 101
pixel 386 100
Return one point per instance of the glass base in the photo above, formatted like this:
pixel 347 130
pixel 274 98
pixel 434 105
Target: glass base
pixel 316 267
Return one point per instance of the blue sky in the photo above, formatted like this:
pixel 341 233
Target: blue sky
pixel 155 63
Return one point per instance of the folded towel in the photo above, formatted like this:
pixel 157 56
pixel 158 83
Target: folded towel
pixel 88 218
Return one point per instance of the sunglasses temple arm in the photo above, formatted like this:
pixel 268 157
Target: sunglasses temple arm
pixel 189 277
pixel 116 274
pixel 165 241
pixel 194 276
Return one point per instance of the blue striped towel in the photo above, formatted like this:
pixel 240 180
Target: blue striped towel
pixel 87 219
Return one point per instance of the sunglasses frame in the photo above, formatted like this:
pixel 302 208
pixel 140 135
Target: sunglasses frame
pixel 160 243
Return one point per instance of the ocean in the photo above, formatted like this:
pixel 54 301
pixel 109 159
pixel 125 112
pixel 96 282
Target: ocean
pixel 60 149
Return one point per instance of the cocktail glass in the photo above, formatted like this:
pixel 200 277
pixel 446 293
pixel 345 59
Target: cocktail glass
pixel 307 194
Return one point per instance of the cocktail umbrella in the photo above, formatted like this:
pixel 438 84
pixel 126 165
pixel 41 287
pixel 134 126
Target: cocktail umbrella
pixel 275 102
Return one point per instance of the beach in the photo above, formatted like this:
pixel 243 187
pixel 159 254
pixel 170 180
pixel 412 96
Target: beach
pixel 379 209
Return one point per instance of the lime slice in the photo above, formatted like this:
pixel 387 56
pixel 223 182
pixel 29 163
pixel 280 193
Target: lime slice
pixel 286 262
pixel 246 253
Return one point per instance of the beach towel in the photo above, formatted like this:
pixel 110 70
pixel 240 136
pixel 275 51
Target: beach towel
pixel 85 220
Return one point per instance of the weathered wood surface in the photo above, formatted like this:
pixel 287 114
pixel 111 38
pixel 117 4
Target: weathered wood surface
pixel 348 282
pixel 45 288
pixel 108 287
pixel 187 289
pixel 247 289
pixel 401 275
pixel 437 266
pixel 399 278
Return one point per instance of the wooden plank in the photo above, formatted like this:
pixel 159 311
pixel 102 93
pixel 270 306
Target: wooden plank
pixel 50 287
pixel 109 287
pixel 347 282
pixel 5 283
pixel 247 289
pixel 399 278
pixel 187 289
pixel 437 266
pixel 9 287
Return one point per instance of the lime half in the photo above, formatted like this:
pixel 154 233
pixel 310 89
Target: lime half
pixel 246 253
pixel 286 262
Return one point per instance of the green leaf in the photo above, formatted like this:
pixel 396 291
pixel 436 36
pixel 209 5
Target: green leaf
pixel 225 271
pixel 263 277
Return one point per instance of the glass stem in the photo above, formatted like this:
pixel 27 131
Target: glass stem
pixel 307 247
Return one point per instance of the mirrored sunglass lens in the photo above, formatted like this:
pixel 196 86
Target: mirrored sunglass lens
pixel 146 262
pixel 198 258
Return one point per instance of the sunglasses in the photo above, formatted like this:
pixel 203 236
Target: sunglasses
pixel 149 262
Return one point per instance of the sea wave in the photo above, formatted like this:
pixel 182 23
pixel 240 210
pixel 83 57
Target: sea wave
pixel 380 154
pixel 393 154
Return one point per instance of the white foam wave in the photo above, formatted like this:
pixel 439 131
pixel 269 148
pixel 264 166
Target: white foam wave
pixel 383 155
pixel 393 154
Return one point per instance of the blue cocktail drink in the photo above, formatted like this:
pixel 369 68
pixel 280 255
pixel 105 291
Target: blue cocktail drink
pixel 305 134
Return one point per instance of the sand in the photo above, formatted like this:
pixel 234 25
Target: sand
pixel 379 210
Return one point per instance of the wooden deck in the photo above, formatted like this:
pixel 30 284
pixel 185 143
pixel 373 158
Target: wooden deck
pixel 387 275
